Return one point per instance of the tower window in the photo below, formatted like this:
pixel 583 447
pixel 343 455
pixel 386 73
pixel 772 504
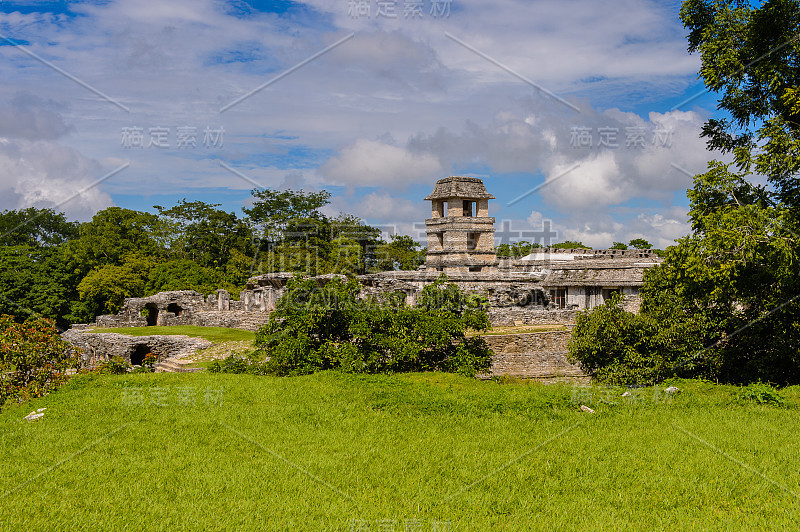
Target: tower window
pixel 472 240
pixel 469 208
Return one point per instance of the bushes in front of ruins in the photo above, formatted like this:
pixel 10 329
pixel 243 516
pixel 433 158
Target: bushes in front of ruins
pixel 238 364
pixel 330 327
pixel 33 359
pixel 618 347
pixel 113 366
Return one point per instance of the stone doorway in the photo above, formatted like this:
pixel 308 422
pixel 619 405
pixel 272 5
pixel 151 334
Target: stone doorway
pixel 152 314
pixel 141 351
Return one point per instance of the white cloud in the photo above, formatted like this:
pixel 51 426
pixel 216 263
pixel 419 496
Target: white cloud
pixel 45 175
pixel 332 121
pixel 374 163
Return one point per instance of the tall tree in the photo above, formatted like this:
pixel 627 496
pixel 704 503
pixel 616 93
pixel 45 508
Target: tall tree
pixel 272 210
pixel 726 301
pixel 204 233
pixel 36 227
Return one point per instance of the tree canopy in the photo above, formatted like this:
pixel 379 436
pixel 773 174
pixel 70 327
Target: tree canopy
pixel 71 272
pixel 726 300
pixel 317 327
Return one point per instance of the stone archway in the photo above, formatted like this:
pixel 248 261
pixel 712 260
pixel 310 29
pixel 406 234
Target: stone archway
pixel 138 354
pixel 152 314
pixel 175 309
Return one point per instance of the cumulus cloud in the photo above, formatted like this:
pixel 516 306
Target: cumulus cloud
pixel 625 156
pixel 36 171
pixel 30 117
pixel 45 175
pixel 375 163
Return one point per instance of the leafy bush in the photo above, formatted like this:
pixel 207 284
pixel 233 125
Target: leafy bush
pixel 621 348
pixel 33 359
pixel 237 364
pixel 114 366
pixel 329 327
pixel 760 393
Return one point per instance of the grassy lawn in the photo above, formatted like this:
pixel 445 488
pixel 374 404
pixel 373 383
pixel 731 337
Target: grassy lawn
pixel 405 452
pixel 519 329
pixel 212 334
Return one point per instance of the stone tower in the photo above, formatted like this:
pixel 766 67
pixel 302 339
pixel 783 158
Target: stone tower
pixel 460 231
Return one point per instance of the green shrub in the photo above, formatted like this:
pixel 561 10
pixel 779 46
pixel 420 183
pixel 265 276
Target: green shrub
pixel 622 348
pixel 237 364
pixel 114 366
pixel 33 359
pixel 317 327
pixel 760 393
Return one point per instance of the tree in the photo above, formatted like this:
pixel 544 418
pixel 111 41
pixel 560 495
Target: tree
pixel 36 282
pixel 185 274
pixel 33 359
pixel 355 230
pixel 105 288
pixel 725 300
pixel 618 245
pixel 205 234
pixel 640 243
pixel 35 227
pixel 317 327
pixel 272 210
pixel 570 244
pixel 402 253
pixel 114 233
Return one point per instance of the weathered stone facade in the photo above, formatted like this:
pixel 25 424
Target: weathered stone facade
pixel 99 347
pixel 541 355
pixel 187 307
pixel 546 287
pixel 460 231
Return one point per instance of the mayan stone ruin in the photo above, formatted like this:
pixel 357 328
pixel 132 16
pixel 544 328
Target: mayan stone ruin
pixel 546 287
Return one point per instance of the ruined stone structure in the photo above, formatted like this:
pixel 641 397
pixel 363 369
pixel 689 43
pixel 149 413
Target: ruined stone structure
pixel 99 347
pixel 460 231
pixel 187 307
pixel 546 287
pixel 541 355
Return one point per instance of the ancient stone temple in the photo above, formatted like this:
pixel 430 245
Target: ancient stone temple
pixel 548 286
pixel 460 231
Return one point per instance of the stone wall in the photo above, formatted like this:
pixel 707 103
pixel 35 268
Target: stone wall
pixel 540 355
pixel 235 319
pixel 99 347
pixel 505 316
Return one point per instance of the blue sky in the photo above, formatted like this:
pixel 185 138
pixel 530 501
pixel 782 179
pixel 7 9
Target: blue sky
pixel 596 106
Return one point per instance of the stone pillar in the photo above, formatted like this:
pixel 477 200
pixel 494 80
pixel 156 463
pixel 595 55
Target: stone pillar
pixel 411 298
pixel 211 302
pixel 483 208
pixel 246 300
pixel 223 300
pixel 455 207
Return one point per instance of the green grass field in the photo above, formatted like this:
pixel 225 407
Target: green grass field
pixel 212 334
pixel 404 452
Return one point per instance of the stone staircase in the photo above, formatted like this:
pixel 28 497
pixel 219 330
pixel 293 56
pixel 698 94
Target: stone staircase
pixel 174 365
